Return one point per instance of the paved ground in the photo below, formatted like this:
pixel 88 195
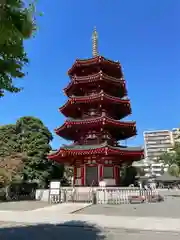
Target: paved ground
pixel 22 205
pixel 112 224
pixel 168 208
pixel 56 232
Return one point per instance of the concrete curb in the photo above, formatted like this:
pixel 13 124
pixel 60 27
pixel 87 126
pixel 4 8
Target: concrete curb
pixel 78 210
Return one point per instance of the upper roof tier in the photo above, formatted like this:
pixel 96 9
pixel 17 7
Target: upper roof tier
pixel 85 67
pixel 76 106
pixel 79 85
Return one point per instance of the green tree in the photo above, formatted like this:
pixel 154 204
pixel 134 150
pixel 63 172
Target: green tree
pixel 34 139
pixel 174 170
pixel 8 140
pixel 17 23
pixel 140 171
pixel 31 138
pixel 172 159
pixel 11 168
pixel 128 175
pixel 168 158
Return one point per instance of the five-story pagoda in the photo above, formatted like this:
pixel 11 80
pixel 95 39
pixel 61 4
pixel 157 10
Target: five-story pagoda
pixel 97 100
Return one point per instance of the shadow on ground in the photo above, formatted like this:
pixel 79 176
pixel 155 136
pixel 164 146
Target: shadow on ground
pixel 67 231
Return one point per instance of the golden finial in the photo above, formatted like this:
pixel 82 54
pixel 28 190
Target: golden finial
pixel 95 43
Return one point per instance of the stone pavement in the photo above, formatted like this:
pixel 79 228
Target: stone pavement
pixel 168 208
pixel 56 222
pixel 60 214
pixel 56 217
pixel 22 205
pixel 128 234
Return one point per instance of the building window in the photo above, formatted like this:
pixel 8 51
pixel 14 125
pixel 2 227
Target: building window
pixel 108 172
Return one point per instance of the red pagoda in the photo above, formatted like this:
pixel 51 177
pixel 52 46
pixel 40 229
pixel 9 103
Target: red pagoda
pixel 97 100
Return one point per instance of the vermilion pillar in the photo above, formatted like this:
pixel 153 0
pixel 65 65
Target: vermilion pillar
pixel 82 175
pixel 100 172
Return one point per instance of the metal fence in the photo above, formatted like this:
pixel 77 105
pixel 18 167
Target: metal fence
pixel 105 196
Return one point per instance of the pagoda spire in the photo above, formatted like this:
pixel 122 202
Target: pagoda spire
pixel 95 43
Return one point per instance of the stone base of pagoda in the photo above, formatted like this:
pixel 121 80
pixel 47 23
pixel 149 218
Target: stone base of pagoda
pixel 92 174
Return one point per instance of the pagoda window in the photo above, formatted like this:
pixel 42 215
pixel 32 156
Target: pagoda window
pixel 91 136
pixel 92 112
pixel 106 136
pixel 108 172
pixel 92 91
pixel 91 139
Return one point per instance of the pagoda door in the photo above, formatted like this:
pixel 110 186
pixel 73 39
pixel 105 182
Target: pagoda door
pixel 91 175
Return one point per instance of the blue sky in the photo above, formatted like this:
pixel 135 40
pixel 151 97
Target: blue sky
pixel 143 35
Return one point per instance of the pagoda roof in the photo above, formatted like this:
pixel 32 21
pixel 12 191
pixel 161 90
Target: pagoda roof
pixel 96 120
pixel 97 76
pixel 94 78
pixel 92 61
pixel 99 120
pixel 123 130
pixel 96 97
pixel 103 148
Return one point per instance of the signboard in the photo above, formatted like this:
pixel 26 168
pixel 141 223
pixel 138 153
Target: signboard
pixel 55 187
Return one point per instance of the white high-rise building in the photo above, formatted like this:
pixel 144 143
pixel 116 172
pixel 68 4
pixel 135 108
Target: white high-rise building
pixel 156 143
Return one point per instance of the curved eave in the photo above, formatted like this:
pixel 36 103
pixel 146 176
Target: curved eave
pixel 97 97
pixel 104 150
pixel 92 61
pixel 94 78
pixel 97 76
pixel 102 121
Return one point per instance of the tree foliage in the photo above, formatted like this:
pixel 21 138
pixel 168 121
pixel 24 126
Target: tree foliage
pixel 128 175
pixel 34 140
pixel 172 159
pixel 8 140
pixel 11 168
pixel 174 170
pixel 17 23
pixel 31 138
